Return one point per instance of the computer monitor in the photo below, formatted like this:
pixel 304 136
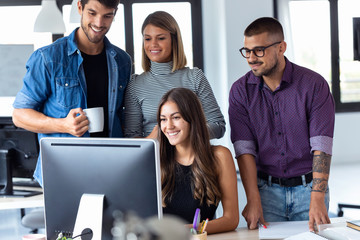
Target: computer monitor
pixel 125 171
pixel 19 150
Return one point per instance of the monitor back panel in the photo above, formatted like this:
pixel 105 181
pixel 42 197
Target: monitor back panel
pixel 126 171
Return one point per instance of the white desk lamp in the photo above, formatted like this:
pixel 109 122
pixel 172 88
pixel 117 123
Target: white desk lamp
pixel 50 18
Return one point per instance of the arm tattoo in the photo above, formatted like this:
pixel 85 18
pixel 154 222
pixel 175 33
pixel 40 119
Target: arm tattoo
pixel 319 185
pixel 321 163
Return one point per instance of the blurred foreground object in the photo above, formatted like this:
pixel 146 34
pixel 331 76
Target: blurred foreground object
pixel 129 226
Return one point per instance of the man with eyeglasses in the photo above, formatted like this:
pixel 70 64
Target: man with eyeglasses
pixel 282 124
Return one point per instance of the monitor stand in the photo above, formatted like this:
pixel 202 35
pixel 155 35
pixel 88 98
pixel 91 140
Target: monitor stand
pixel 6 183
pixel 89 216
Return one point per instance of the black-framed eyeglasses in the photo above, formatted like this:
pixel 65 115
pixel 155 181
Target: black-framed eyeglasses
pixel 258 51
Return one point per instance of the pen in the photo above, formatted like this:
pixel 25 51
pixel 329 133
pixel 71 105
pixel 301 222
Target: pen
pixel 201 227
pixel 196 219
pixel 204 226
pixel 261 225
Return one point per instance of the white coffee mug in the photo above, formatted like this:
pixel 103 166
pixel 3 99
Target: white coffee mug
pixel 34 237
pixel 96 119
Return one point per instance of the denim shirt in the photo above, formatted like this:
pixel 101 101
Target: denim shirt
pixel 55 83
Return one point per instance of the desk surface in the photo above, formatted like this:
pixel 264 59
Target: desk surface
pixel 240 233
pixel 22 202
pixel 245 234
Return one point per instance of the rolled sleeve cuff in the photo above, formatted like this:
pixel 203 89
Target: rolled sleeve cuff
pixel 321 143
pixel 23 101
pixel 244 147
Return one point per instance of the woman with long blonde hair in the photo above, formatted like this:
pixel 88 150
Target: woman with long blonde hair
pixel 164 64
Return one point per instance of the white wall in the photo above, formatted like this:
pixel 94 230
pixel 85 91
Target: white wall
pixel 224 22
pixel 346 148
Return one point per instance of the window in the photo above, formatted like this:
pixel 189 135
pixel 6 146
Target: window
pixel 186 12
pixel 125 31
pixel 18 39
pixel 321 35
pixel 349 69
pixel 17 42
pixel 309 52
pixel 21 31
pixel 182 14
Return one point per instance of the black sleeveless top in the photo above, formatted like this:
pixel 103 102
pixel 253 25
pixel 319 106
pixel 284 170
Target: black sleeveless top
pixel 183 203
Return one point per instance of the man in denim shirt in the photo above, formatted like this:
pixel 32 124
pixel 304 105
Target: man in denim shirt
pixel 80 71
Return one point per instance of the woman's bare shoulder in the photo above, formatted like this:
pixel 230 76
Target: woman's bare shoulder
pixel 222 153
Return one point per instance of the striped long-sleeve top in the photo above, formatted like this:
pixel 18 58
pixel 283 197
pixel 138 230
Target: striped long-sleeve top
pixel 144 93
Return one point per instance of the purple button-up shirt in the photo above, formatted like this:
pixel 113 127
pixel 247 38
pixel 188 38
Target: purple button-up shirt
pixel 282 128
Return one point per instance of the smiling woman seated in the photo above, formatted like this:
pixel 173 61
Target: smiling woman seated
pixel 194 173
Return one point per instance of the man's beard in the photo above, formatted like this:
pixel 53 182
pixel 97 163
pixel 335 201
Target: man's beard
pixel 266 72
pixel 92 39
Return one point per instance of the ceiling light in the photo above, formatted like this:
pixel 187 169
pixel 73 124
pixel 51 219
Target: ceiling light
pixel 50 18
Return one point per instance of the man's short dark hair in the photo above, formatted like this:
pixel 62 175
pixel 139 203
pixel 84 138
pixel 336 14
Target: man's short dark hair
pixel 265 24
pixel 108 3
